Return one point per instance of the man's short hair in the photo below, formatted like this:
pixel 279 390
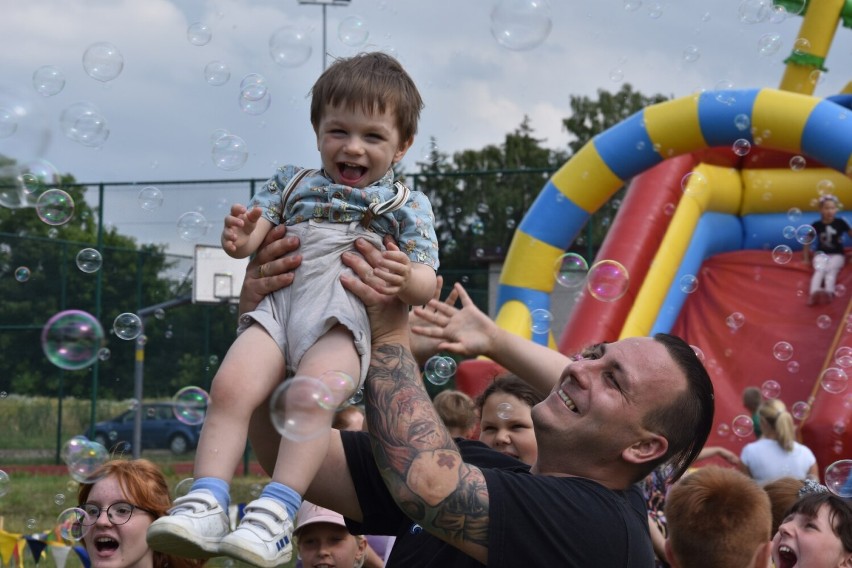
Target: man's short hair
pixel 456 409
pixel 686 421
pixel 370 82
pixel 717 517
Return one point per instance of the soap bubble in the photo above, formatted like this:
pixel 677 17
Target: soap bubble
pixel 190 405
pixel 742 426
pixel 782 351
pixel 84 464
pixel 297 408
pixel 199 34
pixel 770 389
pixel 768 44
pixel 834 380
pixel 229 153
pixel 71 339
pixel 70 523
pixel 800 409
pixel 805 234
pixel 438 370
pixel 22 274
pixel 127 326
pixel 688 283
pixel 341 386
pixel 541 320
pixel 571 270
pixel 217 73
pixel 837 478
pixel 150 198
pixel 353 31
pixel 520 24
pixel 48 80
pixel 83 123
pixel 797 163
pixel 89 260
pixel 192 225
pixel 5 483
pixel 290 46
pixel 741 147
pixel 55 207
pixel 103 61
pixel 607 280
pixel 782 254
pixel 843 356
pixel 504 411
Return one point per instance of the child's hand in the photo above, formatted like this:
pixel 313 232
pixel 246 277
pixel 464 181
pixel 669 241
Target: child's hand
pixel 238 226
pixel 393 272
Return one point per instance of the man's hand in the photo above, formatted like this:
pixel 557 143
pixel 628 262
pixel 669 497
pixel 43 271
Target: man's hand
pixel 388 315
pixel 466 331
pixel 270 269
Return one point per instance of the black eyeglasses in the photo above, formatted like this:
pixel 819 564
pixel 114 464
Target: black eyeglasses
pixel 117 513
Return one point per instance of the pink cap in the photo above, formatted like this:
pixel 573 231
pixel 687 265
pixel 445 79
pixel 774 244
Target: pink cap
pixel 309 514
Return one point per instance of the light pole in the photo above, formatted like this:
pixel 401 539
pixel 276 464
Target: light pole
pixel 325 3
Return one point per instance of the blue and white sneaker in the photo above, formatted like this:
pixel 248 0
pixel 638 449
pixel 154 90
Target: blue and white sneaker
pixel 264 536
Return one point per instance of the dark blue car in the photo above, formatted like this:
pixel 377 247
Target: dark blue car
pixel 160 430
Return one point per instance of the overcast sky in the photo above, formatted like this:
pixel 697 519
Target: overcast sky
pixel 161 112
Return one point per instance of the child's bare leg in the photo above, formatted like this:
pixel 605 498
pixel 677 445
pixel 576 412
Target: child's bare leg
pixel 251 370
pixel 298 462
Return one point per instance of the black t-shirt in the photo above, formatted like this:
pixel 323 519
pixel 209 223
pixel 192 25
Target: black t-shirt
pixel 533 520
pixel 830 236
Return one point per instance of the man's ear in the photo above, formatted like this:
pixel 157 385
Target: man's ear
pixel 649 448
pixel 403 148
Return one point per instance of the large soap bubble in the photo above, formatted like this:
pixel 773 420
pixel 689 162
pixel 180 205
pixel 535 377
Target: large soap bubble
pixel 83 123
pixel 521 24
pixel 103 61
pixel 71 339
pixel 290 46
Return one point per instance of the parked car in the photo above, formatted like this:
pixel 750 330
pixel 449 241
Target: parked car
pixel 160 429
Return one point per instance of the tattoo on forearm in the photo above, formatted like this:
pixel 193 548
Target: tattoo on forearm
pixel 419 461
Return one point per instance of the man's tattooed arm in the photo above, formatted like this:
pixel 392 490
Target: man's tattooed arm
pixel 420 463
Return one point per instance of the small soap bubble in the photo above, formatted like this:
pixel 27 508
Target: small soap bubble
pixel 296 408
pixel 192 225
pixel 70 523
pixel 84 465
pixel 290 46
pixel 353 31
pixel 742 122
pixel 823 321
pixel 833 380
pixel 570 270
pixel 254 106
pixel 59 499
pixel 89 260
pixel 127 326
pixel 794 214
pixel 607 280
pixel 150 198
pixel 789 232
pixel 217 73
pixel 768 44
pixel 691 53
pixel 199 34
pixel 793 367
pixel 229 153
pixel 22 274
pixel 754 11
pixel 843 356
pixel 797 163
pixel 5 483
pixel 742 426
pixel 504 411
pixel 190 405
pixel 805 234
pixel 71 339
pixel 341 386
pixel 541 320
pixel 183 486
pixel 782 351
pixel 160 314
pixel 438 370
pixel 837 478
pixel 48 81
pixel 520 25
pixel 103 61
pixel 723 430
pixel 104 354
pixel 741 147
pixel 688 283
pixel 782 254
pixel 800 409
pixel 357 398
pixel 55 207
pixel 83 123
pixel 770 389
pixel 694 184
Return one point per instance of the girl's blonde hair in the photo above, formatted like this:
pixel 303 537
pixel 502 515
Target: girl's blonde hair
pixel 774 412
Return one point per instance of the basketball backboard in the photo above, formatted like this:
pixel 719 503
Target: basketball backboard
pixel 217 277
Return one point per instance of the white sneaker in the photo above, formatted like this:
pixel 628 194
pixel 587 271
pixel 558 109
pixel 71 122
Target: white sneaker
pixel 264 537
pixel 193 529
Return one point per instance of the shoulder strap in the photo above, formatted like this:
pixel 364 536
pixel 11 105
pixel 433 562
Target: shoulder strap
pixel 378 209
pixel 294 181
